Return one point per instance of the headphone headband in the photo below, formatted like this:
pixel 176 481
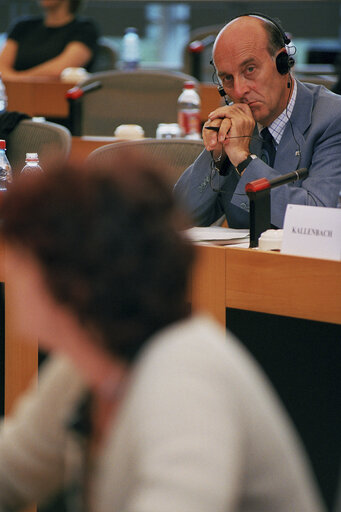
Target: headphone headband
pixel 275 23
pixel 284 62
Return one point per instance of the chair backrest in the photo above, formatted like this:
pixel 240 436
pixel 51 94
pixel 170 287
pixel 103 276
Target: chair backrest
pixel 177 154
pixel 144 97
pixel 105 59
pixel 50 140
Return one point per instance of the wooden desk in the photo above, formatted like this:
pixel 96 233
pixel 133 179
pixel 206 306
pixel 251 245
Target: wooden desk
pixel 82 146
pixel 46 97
pixel 223 277
pixel 38 96
pixel 303 367
pixel 267 282
pixel 21 355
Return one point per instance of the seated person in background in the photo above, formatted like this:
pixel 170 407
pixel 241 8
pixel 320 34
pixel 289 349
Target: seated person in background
pixel 141 406
pixel 45 45
pixel 302 122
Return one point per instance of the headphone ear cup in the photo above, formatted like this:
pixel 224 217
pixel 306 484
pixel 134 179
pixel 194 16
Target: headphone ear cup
pixel 282 63
pixel 291 62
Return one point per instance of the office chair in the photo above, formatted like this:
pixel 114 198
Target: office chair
pixel 144 97
pixel 178 154
pixel 105 59
pixel 50 140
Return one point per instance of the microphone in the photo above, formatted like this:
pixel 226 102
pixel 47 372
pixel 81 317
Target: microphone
pixel 75 106
pixel 258 192
pixel 77 92
pixel 196 49
pixel 198 46
pixel 264 183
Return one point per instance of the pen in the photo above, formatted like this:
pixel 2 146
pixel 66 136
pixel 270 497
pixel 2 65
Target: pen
pixel 214 128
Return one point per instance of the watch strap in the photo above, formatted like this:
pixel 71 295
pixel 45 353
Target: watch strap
pixel 242 165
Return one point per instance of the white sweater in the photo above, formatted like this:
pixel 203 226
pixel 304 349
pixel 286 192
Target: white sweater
pixel 199 430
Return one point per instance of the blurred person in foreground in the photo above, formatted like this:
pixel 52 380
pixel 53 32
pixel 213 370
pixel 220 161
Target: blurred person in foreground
pixel 45 45
pixel 141 406
pixel 301 124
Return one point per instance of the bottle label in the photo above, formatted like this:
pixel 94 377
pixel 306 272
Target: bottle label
pixel 31 168
pixel 5 178
pixel 189 121
pixel 130 64
pixel 3 105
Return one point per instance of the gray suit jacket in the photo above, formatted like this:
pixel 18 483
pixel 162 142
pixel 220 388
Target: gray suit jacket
pixel 311 139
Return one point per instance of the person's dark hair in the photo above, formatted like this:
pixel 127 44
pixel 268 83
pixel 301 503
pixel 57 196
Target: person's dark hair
pixel 109 244
pixel 75 5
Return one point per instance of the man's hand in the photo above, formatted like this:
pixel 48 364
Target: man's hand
pixel 236 126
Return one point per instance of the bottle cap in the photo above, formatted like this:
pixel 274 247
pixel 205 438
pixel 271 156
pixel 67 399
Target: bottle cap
pixel 31 157
pixel 130 29
pixel 2 144
pixel 189 85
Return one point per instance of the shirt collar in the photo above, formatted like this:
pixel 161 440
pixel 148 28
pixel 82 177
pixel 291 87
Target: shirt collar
pixel 277 127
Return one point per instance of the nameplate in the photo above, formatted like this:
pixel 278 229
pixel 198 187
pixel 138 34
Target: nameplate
pixel 312 231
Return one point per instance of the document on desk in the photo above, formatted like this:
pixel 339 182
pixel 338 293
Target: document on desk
pixel 218 235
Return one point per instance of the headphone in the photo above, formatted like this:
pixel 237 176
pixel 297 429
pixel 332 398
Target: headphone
pixel 284 61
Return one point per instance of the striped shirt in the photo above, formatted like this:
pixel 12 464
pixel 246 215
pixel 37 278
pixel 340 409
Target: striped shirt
pixel 277 127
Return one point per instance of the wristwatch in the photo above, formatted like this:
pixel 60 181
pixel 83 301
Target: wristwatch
pixel 240 167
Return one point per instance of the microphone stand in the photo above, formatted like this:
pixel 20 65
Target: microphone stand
pixel 74 97
pixel 196 48
pixel 258 192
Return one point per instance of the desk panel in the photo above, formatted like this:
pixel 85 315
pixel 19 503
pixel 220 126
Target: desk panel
pixel 267 282
pixel 82 146
pixel 38 96
pixel 46 97
pixel 207 287
pixel 285 285
pixel 287 311
pixel 21 354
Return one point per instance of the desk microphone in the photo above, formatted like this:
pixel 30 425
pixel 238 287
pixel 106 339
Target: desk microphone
pixel 258 192
pixel 77 92
pixel 264 183
pixel 74 96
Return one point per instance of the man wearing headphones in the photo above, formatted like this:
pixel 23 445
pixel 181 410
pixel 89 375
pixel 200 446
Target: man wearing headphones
pixel 302 129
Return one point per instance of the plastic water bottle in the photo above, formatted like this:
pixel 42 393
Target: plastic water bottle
pixel 189 112
pixel 31 164
pixel 5 168
pixel 3 97
pixel 130 48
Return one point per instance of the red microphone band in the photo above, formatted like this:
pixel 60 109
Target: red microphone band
pixel 77 92
pixel 257 185
pixel 264 183
pixel 74 93
pixel 196 47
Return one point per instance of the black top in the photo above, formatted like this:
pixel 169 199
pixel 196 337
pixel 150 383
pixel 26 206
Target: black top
pixel 38 43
